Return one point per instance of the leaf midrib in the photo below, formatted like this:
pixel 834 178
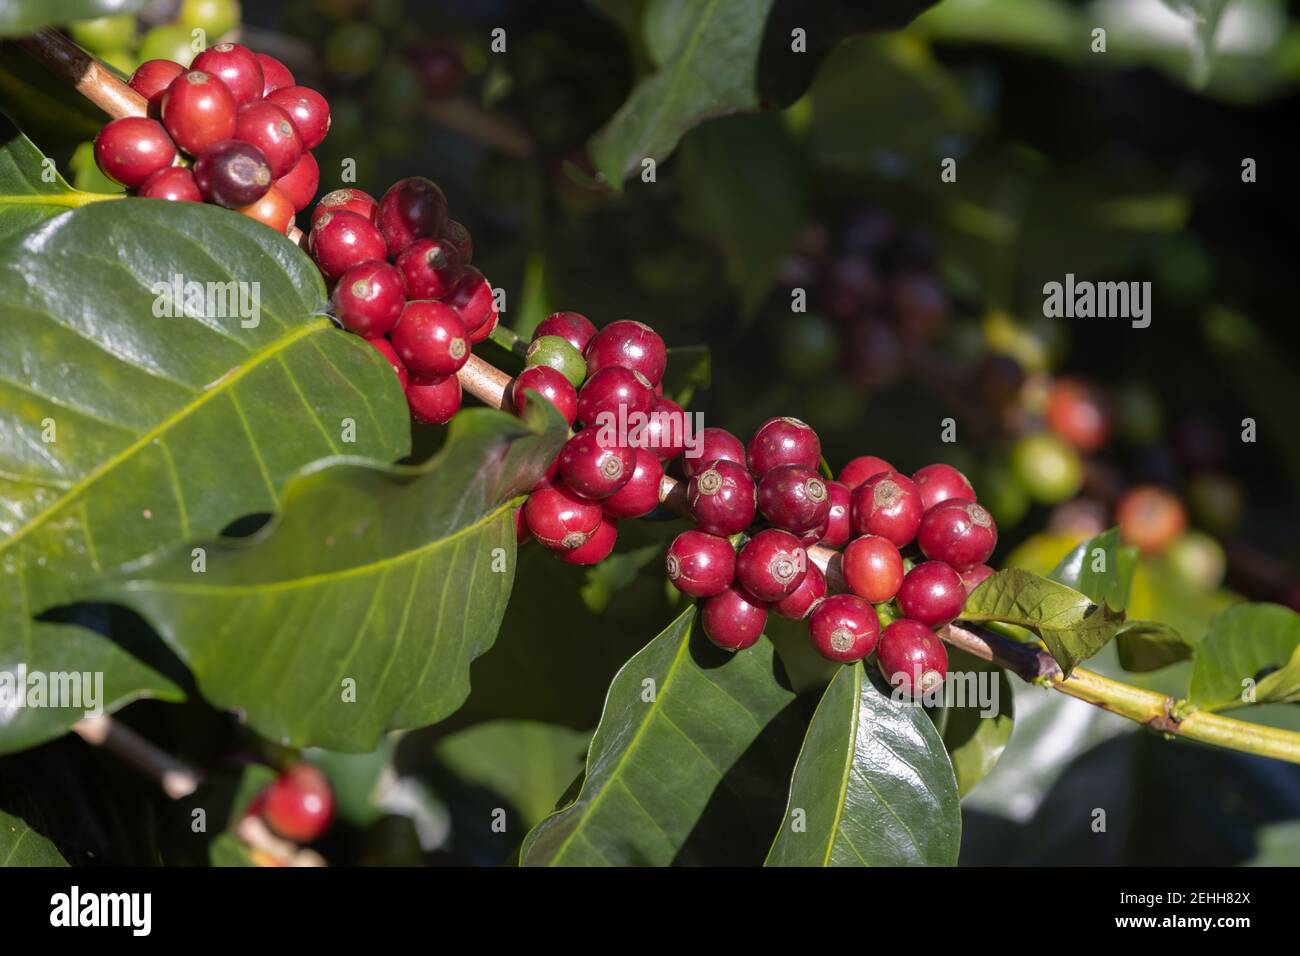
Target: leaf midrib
pixel 848 764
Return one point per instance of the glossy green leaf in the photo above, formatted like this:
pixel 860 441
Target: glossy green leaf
pixel 1100 569
pixel 31 189
pixel 873 785
pixel 975 717
pixel 28 16
pixel 686 764
pixel 1247 657
pixel 20 845
pixel 1150 645
pixel 360 608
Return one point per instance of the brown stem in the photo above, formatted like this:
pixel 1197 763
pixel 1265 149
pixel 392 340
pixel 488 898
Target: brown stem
pixel 177 779
pixel 85 74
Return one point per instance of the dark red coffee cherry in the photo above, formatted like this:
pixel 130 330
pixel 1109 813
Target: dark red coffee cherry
pixel 131 149
pixel 802 600
pixel 574 327
pixel 560 519
pixel 794 498
pixel 484 331
pixel 630 345
pixel 198 111
pixel 974 577
pixel 236 66
pixel 722 497
pixel 932 593
pixel 700 564
pixel 594 468
pixel 308 110
pixel 232 174
pixel 151 79
pixel 597 548
pixel 665 432
pixel 269 128
pixel 460 237
pixel 911 657
pixel 472 299
pixel 733 620
pixel 346 200
pixel 300 184
pixel 551 385
pixel 939 482
pixel 783 441
pixel 771 565
pixel 430 338
pixel 714 444
pixel 341 240
pixel 872 568
pixel 369 298
pixel 960 533
pixel 887 504
pixel 413 208
pixel 275 75
pixel 844 628
pixel 815 535
pixel 839 525
pixel 615 392
pixel 640 495
pixel 175 183
pixel 861 468
pixel 433 399
pixel 299 805
pixel 430 268
pixel 270 209
pixel 385 348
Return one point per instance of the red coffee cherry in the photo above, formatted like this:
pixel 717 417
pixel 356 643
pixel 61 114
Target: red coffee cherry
pixel 802 600
pixel 175 183
pixel 299 805
pixel 594 469
pixel 269 128
pixel 560 519
pixel 236 66
pixel 665 432
pixel 198 111
pixel 275 75
pixel 629 345
pixel 872 568
pixel 346 200
pixel 911 657
pixel 960 533
pixel 473 301
pixel 131 149
pixel 939 482
pixel 385 348
pixel 640 495
pixel 430 338
pixel 300 184
pixel 614 391
pixel 433 399
pixel 714 444
pixel 861 468
pixel 771 565
pixel 733 620
pixel 1150 518
pixel 887 504
pixel 1078 413
pixel 974 577
pixel 460 237
pixel 151 79
pixel 597 548
pixel 932 593
pixel 232 174
pixel 783 441
pixel 722 498
pixel 574 327
pixel 551 385
pixel 844 628
pixel 308 110
pixel 369 298
pixel 341 240
pixel 794 498
pixel 413 208
pixel 430 267
pixel 810 538
pixel 271 209
pixel 700 564
pixel 839 525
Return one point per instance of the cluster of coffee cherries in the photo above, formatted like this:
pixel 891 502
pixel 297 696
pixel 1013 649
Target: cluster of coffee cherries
pixel 234 129
pixel 298 805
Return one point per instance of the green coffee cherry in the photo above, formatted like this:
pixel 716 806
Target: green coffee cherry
pixel 168 42
pixel 104 33
pixel 559 354
pixel 216 17
pixel 1198 559
pixel 1049 469
pixel 353 48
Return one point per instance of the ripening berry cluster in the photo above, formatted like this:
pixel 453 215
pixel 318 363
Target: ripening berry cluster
pixel 234 129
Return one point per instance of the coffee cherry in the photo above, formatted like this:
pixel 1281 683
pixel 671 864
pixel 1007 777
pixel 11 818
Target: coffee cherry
pixel 214 17
pixel 1079 414
pixel 960 533
pixel 912 657
pixel 887 504
pixel 783 441
pixel 269 128
pixel 551 385
pixel 433 399
pixel 236 66
pixel 300 184
pixel 771 565
pixel 460 237
pixel 714 444
pixel 700 564
pixel 299 805
pixel 430 267
pixel 597 548
pixel 574 327
pixel 813 536
pixel 232 174
pixel 861 468
pixel 932 593
pixel 131 149
pixel 346 200
pixel 104 34
pixel 640 495
pixel 614 391
pixel 939 482
pixel 341 240
pixel 665 431
pixel 1150 518
pixel 167 42
pixel 413 208
pixel 733 620
pixel 198 111
pixel 1049 469
pixel 794 498
pixel 872 568
pixel 471 298
pixel 369 298
pixel 275 75
pixel 272 210
pixel 839 526
pixel 151 79
pixel 594 469
pixel 629 345
pixel 802 600
pixel 430 338
pixel 560 519
pixel 722 497
pixel 844 628
pixel 385 348
pixel 558 354
pixel 972 578
pixel 308 110
pixel 175 183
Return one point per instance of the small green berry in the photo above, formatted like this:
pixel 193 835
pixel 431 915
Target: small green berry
pixel 559 354
pixel 101 34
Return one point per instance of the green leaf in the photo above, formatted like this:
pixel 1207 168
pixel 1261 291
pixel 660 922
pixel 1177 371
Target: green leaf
pixel 873 785
pixel 683 765
pixel 1100 569
pixel 1150 645
pixel 20 845
pixel 30 190
pixel 48 110
pixel 1072 627
pixel 394 578
pixel 975 731
pixel 27 16
pixel 1254 643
